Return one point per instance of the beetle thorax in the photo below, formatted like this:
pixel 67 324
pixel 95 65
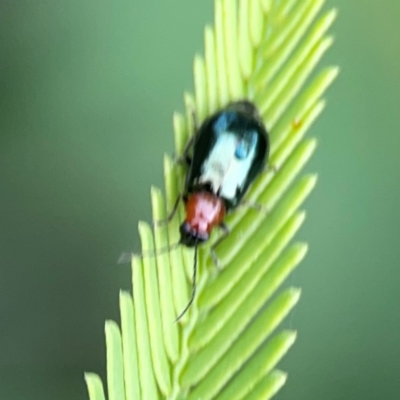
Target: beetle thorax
pixel 204 211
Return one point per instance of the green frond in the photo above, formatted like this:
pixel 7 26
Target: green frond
pixel 225 346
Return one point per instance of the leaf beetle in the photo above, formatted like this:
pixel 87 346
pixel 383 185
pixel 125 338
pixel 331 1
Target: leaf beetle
pixel 224 156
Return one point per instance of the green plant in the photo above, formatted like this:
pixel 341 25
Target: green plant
pixel 264 50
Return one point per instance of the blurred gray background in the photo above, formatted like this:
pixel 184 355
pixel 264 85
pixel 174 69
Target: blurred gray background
pixel 87 91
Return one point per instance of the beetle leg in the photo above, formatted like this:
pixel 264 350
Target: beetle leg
pixel 225 234
pixel 171 215
pixel 185 159
pixel 194 286
pixel 127 256
pixel 195 120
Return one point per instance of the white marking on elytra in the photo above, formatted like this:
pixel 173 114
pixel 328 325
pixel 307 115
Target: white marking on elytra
pixel 223 170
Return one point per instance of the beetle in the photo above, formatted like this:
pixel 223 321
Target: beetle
pixel 224 156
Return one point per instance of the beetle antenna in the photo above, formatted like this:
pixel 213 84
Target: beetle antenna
pixel 193 287
pixel 127 256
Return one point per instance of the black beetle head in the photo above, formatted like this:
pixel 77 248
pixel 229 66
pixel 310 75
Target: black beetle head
pixel 191 237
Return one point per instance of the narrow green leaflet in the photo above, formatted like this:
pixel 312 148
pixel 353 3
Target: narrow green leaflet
pixel 228 344
pixel 95 387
